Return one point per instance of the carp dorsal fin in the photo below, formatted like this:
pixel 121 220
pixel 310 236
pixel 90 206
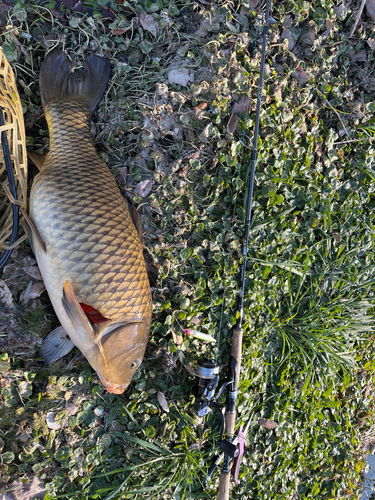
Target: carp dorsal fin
pixel 37 159
pixel 34 230
pixel 136 218
pixel 59 80
pixel 56 345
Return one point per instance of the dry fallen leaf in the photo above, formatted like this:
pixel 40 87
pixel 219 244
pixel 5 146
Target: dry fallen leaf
pixel 32 291
pixel 202 30
pixel 181 76
pixel 308 35
pixel 199 110
pixel 120 31
pixel 24 437
pixel 288 21
pixel 34 488
pixel 360 56
pixel 143 188
pixel 301 75
pixel 329 25
pixel 370 8
pixel 339 9
pixel 336 236
pixel 177 339
pixel 371 42
pixel 267 423
pixel 25 295
pixel 163 402
pixel 148 23
pixel 287 35
pixel 195 320
pixel 201 106
pixel 232 123
pixel 50 421
pixel 5 294
pixel 71 409
pixel 36 290
pixel 122 173
pixel 33 271
pixel 242 106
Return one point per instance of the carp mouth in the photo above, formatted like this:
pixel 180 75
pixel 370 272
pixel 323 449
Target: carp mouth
pixel 112 386
pixel 115 388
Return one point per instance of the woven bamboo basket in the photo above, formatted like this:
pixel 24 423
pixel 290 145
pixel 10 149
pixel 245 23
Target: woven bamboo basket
pixel 14 128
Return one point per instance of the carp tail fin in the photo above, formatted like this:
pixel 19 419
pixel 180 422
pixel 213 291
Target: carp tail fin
pixel 60 80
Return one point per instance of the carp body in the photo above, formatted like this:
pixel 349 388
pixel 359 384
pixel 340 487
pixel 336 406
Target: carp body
pixel 85 241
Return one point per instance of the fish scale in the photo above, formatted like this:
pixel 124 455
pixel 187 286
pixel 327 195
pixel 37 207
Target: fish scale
pixel 87 247
pixel 97 247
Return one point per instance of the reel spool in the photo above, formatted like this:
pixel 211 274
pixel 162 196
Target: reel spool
pixel 206 382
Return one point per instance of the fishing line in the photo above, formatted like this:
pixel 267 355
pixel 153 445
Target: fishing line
pixel 13 190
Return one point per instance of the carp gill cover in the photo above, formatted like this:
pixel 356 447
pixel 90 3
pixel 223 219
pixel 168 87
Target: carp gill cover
pixel 86 244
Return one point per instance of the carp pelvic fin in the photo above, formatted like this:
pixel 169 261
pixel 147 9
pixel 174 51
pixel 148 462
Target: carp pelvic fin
pixel 58 80
pixel 37 159
pixel 34 230
pixel 136 218
pixel 75 311
pixel 56 345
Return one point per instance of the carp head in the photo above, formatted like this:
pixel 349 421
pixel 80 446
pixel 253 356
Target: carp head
pixel 114 349
pixel 119 353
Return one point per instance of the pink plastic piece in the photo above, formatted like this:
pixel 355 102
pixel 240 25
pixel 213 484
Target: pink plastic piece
pixel 237 460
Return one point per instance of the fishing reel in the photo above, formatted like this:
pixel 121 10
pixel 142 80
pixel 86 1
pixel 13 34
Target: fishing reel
pixel 206 389
pixel 207 392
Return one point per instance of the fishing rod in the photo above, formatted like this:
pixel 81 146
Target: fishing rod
pixel 206 390
pixel 230 449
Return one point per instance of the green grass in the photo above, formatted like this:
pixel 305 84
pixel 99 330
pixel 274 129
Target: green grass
pixel 308 359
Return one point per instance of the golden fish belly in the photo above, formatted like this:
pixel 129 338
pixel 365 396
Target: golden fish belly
pixel 85 224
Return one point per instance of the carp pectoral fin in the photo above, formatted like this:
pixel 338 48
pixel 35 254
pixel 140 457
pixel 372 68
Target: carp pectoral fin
pixel 80 321
pixel 75 312
pixel 37 159
pixel 56 345
pixel 136 218
pixel 34 230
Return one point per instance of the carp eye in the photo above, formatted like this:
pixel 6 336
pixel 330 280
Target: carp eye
pixel 135 364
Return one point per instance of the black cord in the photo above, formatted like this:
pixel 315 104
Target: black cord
pixel 13 190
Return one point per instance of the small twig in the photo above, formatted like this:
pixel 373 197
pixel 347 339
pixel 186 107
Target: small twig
pixel 357 17
pixel 338 116
pixel 353 140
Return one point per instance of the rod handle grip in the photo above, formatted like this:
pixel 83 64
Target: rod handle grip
pixel 224 485
pixel 236 350
pixel 230 418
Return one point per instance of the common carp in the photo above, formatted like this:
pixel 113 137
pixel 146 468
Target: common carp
pixel 86 244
